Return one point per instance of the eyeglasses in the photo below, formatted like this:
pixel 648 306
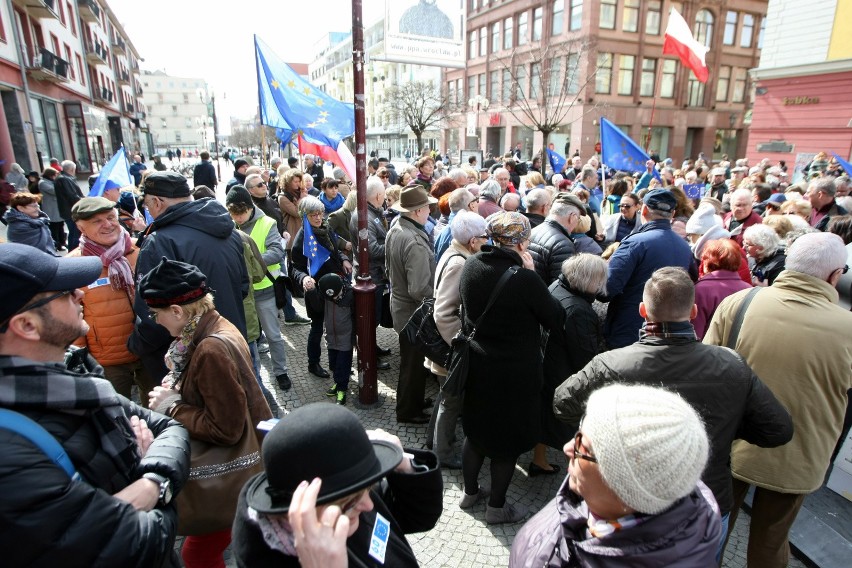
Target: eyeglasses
pixel 38 304
pixel 626 206
pixel 486 237
pixel 260 184
pixel 578 446
pixel 843 270
pixel 384 176
pixel 314 215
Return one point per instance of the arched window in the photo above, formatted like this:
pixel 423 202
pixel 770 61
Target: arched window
pixel 703 30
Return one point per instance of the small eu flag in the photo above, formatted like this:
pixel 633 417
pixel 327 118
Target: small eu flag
pixel 313 251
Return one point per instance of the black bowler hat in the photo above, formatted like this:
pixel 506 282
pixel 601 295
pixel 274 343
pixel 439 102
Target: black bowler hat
pixel 318 440
pixel 172 283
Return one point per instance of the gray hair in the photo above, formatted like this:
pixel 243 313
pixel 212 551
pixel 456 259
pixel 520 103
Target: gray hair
pixel 817 254
pixel 825 185
pixel 499 170
pixel 310 157
pixel 586 273
pixel 538 198
pixel 68 166
pixel 560 210
pixel 374 186
pixel 588 173
pixel 459 176
pixel 275 162
pixel 252 177
pixel 459 199
pixel 338 174
pixel 310 204
pixel 741 192
pixel 763 236
pixel 510 197
pixel 490 188
pixel 467 225
pixel 351 202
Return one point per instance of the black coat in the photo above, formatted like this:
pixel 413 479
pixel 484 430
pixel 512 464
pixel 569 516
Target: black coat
pixel 769 268
pixel 67 194
pixel 314 302
pixel 205 174
pixel 550 246
pixel 410 502
pixel 502 396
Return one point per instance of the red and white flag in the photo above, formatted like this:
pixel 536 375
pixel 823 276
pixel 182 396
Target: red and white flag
pixel 679 41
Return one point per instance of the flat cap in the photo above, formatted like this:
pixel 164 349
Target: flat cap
pixel 90 206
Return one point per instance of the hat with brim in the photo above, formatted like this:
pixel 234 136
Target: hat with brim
pixel 413 198
pixel 324 441
pixel 89 207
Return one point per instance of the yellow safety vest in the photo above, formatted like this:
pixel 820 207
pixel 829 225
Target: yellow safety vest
pixel 258 234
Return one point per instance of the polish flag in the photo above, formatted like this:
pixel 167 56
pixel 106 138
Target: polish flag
pixel 341 155
pixel 679 41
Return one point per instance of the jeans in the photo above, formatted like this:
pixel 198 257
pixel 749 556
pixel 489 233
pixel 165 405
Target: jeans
pixel 267 313
pixel 255 360
pixel 724 538
pixel 289 310
pixel 73 234
pixel 340 365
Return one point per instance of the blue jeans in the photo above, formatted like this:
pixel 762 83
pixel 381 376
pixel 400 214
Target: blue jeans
pixel 255 360
pixel 725 519
pixel 73 234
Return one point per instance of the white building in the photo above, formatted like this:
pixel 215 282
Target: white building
pixel 178 113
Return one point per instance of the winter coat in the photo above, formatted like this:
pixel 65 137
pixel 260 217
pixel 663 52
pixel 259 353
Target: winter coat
pixel 411 503
pixel 136 170
pixel 289 206
pixel 317 173
pixel 535 219
pixel 825 218
pixel 257 272
pixel 25 230
pixel 487 206
pixel 331 205
pixel 710 290
pixel 273 249
pixel 314 301
pixel 770 267
pixel 46 519
pixel 732 401
pixel 205 174
pixel 791 336
pixel 652 246
pixel 377 232
pixel 110 316
pixel 502 396
pixel 410 264
pixel 568 350
pixel 340 222
pixel 447 298
pixel 550 245
pixel 685 535
pixel 67 194
pixel 339 325
pixel 737 233
pixel 48 200
pixel 612 224
pixel 270 208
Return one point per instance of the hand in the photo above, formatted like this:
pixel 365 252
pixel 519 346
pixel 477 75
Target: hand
pixel 138 224
pixel 158 395
pixel 761 283
pixel 649 165
pixel 347 266
pixel 143 494
pixel 308 284
pixel 320 542
pixel 527 259
pixel 144 436
pixel 379 434
pixel 286 236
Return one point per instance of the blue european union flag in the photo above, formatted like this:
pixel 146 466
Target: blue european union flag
pixel 313 251
pixel 115 174
pixel 847 167
pixel 618 151
pixel 557 161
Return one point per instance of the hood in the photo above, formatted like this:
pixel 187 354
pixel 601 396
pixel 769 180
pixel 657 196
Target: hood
pixel 206 215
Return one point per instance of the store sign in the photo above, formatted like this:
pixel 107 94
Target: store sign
pixel 800 101
pixel 425 32
pixel 775 146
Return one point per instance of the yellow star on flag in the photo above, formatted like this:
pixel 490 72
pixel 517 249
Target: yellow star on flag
pixel 323 114
pixel 307 90
pixel 319 102
pixel 275 84
pixel 291 83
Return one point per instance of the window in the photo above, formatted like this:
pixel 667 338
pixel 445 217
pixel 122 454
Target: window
pixel 483 41
pixel 177 136
pixel 471 86
pixel 576 16
pixel 537 17
pixel 603 78
pixel 695 92
pixel 174 110
pixel 521 76
pixel 61 13
pixel 507 33
pixel 80 69
pixel 740 77
pixel 472 51
pixel 71 19
pixel 607 14
pixel 649 77
pixel 185 98
pixel 71 72
pixel 747 31
pixel 626 66
pixel 703 31
pixel 722 83
pixel 507 86
pixel 535 80
pixel 653 17
pixel 730 28
pixel 760 33
pixel 558 16
pixel 481 90
pixel 522 28
pixel 667 83
pixel 572 74
pixel 554 78
pixel 630 16
pixel 495 37
pixel 451 93
pixel 494 91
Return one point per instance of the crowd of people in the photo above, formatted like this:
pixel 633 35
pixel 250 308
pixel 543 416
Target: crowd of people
pixel 636 324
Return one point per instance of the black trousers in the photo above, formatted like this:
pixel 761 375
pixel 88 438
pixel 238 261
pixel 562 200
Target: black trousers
pixel 411 389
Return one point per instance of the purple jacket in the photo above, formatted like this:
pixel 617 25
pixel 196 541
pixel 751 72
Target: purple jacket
pixel 686 535
pixel 710 290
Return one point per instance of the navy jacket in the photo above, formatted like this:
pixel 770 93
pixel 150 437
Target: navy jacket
pixel 205 174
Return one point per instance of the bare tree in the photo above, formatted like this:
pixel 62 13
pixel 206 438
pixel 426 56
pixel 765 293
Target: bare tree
pixel 547 81
pixel 419 104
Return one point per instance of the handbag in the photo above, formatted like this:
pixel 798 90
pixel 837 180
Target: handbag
pixel 279 286
pixel 421 330
pixel 295 288
pixel 459 362
pixel 386 319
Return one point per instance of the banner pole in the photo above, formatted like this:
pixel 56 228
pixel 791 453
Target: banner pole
pixel 657 81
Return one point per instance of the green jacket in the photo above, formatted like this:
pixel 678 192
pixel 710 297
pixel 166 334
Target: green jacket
pixel 256 271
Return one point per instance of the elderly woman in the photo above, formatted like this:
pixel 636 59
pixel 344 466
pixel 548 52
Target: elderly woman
pixel 763 245
pixel 27 224
pixel 469 234
pixel 720 261
pixel 425 170
pixel 328 490
pixel 17 177
pixel 633 495
pixel 489 195
pixel 570 347
pixel 502 394
pixel 306 273
pixel 800 208
pixel 210 389
pixel 704 226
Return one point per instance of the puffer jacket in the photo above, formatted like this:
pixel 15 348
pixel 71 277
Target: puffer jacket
pixel 377 232
pixel 25 230
pixel 733 402
pixel 110 316
pixel 550 246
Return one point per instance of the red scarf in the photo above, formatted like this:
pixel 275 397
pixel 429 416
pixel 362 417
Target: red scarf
pixel 118 269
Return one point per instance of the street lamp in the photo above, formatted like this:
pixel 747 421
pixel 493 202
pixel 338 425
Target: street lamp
pixel 211 111
pixel 479 103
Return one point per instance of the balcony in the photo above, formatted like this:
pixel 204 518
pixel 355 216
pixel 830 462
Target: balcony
pixel 103 94
pixel 96 52
pixel 46 66
pixel 119 46
pixel 39 9
pixel 123 78
pixel 90 11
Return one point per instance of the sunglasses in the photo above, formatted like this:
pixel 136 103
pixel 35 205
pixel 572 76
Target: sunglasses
pixel 626 206
pixel 843 270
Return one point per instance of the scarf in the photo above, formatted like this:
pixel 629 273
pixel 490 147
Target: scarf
pixel 114 259
pixel 425 178
pixel 277 532
pixel 599 528
pixel 668 329
pixel 323 236
pixel 177 356
pixel 51 387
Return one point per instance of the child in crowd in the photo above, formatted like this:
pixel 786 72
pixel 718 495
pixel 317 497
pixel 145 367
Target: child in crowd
pixel 339 332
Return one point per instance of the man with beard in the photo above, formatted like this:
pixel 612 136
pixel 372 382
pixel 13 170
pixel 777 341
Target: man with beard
pixel 133 460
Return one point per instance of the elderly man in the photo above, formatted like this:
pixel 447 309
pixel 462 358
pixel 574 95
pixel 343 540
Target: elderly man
pixel 538 203
pixel 729 396
pixel 313 169
pixel 803 297
pixel 742 215
pixel 653 245
pixel 107 302
pixel 136 169
pixel 572 173
pixel 204 173
pixel 821 193
pixel 200 233
pixel 589 182
pixel 503 177
pixel 131 461
pixel 258 189
pixel 551 243
pixel 717 185
pixel 411 268
pixel 460 200
pixel 490 193
pixel 67 194
pixel 510 202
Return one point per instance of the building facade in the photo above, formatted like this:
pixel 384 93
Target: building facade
pixel 802 100
pixel 612 67
pixel 179 114
pixel 69 85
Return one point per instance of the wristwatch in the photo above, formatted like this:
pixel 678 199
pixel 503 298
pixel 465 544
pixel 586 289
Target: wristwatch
pixel 165 487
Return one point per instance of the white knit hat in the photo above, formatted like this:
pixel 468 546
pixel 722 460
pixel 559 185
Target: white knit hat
pixel 702 220
pixel 650 444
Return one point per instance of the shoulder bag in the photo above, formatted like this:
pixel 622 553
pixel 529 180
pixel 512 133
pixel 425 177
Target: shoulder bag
pixel 460 352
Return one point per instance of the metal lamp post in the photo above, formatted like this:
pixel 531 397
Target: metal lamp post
pixel 211 112
pixel 479 103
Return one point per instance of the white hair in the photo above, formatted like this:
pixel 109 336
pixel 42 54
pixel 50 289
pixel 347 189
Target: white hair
pixel 500 170
pixel 555 179
pixel 510 197
pixel 310 204
pixel 742 192
pixel 467 225
pixel 586 273
pixel 68 166
pixel 816 254
pixel 763 236
pixel 490 188
pixel 459 176
pixel 560 209
pixel 538 198
pixel 459 199
pixel 374 186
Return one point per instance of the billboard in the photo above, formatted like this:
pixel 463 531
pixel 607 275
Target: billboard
pixel 425 32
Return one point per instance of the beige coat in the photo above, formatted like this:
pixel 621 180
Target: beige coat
pixel 447 297
pixel 796 338
pixel 410 263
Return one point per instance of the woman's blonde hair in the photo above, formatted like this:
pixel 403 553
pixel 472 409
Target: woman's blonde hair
pixel 200 306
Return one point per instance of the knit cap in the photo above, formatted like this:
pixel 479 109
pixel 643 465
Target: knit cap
pixel 239 195
pixel 650 444
pixel 703 220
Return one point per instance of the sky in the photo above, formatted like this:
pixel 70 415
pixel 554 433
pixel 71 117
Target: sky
pixel 216 42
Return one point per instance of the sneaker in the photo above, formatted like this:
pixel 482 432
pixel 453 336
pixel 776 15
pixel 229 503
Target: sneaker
pixel 283 381
pixel 332 391
pixel 297 320
pixel 506 514
pixel 468 501
pixel 341 398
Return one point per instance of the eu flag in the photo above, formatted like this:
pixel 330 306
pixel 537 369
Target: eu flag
pixel 618 151
pixel 115 174
pixel 557 161
pixel 313 251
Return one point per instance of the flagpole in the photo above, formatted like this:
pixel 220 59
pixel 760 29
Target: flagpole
pixel 658 81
